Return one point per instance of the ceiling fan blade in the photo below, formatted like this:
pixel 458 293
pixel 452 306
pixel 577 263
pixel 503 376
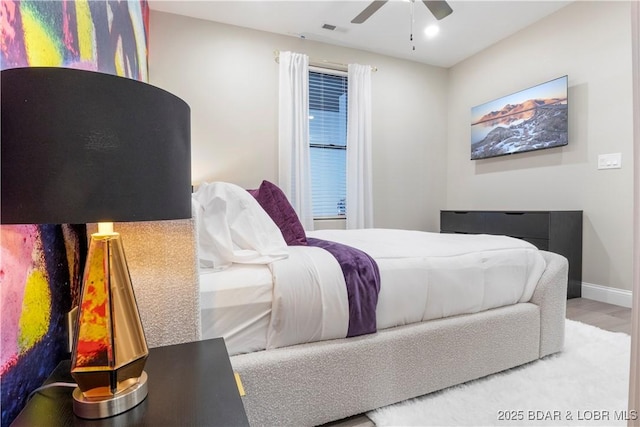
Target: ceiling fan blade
pixel 368 11
pixel 440 9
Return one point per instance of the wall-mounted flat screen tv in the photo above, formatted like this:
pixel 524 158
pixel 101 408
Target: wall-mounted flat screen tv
pixel 532 119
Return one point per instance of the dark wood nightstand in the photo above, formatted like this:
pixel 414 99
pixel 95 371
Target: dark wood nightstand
pixel 189 384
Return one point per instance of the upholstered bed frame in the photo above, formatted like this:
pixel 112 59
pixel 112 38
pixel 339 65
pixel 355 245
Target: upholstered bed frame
pixel 315 383
pixel 311 384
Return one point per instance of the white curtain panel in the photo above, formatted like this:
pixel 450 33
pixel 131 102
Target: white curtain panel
pixel 294 171
pixel 634 379
pixel 359 164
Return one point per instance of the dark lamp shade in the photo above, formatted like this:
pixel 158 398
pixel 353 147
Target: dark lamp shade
pixel 80 146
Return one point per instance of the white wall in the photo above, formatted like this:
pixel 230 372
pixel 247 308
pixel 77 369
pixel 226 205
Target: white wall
pixel 591 43
pixel 228 76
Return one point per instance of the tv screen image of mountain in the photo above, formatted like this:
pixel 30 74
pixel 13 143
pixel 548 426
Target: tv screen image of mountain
pixel 532 119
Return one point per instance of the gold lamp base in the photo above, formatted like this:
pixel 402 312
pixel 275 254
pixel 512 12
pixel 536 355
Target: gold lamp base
pixel 110 349
pixel 104 407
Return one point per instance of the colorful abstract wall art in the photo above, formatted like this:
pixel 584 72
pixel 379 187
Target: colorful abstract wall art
pixel 34 298
pixel 99 35
pixel 41 265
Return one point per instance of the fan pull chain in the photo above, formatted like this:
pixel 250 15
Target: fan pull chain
pixel 413 46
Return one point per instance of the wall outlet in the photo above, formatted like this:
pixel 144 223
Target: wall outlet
pixel 610 161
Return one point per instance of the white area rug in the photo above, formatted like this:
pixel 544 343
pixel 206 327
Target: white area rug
pixel 585 385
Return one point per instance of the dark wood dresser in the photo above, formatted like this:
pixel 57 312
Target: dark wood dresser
pixel 553 231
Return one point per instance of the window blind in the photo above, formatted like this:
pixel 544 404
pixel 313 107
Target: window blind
pixel 328 143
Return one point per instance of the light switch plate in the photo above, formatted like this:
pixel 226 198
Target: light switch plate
pixel 610 161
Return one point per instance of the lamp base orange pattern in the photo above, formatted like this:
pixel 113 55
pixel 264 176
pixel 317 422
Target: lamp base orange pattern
pixel 109 347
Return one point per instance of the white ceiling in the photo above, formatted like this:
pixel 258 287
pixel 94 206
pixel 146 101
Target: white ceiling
pixel 472 27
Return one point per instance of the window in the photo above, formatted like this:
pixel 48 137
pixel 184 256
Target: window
pixel 328 142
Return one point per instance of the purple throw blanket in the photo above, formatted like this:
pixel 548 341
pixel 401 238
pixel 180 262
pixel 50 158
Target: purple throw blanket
pixel 362 277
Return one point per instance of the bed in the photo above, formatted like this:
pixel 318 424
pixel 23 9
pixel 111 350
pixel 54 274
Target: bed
pixel 313 344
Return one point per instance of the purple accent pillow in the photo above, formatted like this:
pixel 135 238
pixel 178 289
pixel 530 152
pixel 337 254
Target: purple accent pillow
pixel 275 203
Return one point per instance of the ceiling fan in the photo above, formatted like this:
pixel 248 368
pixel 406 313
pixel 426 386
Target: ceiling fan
pixel 439 8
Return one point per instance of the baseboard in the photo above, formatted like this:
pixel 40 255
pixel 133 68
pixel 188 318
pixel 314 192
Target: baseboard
pixel 606 294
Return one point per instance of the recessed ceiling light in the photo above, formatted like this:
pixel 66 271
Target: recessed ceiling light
pixel 431 31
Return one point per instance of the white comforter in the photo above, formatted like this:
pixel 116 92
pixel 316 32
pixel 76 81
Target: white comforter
pixel 423 276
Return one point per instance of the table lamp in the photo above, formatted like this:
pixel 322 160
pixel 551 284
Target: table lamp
pixel 84 147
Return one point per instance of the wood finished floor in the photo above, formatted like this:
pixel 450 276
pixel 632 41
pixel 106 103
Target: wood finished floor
pixel 605 316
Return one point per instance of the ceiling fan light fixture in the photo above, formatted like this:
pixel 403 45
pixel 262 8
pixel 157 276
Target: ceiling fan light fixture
pixel 431 31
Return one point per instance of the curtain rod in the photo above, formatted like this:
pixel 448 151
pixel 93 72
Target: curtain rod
pixel 323 63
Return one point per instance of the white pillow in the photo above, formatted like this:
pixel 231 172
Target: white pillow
pixel 233 227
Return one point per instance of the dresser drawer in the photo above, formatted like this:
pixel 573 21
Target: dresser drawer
pixel 518 224
pixel 462 221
